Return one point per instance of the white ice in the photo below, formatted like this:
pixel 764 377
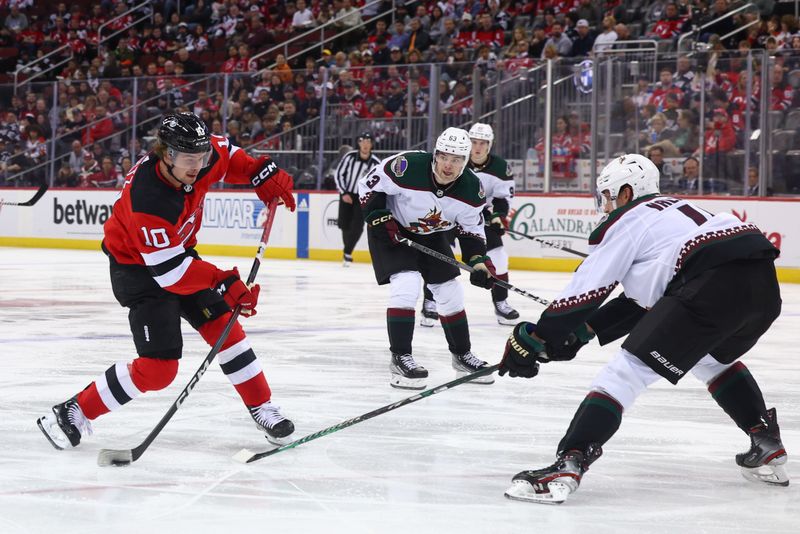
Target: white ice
pixel 439 465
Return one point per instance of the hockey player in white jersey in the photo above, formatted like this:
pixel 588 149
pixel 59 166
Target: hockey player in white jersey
pixel 498 184
pixel 420 196
pixel 700 289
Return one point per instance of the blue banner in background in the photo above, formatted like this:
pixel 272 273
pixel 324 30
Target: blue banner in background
pixel 302 225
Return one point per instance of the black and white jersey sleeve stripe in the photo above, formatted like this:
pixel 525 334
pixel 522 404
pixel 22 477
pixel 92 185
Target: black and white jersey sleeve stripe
pixel 351 168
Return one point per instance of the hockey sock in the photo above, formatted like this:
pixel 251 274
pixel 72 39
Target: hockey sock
pixel 500 293
pixel 737 392
pixel 596 420
pixel 456 330
pixel 123 382
pixel 426 291
pixel 238 361
pixel 400 324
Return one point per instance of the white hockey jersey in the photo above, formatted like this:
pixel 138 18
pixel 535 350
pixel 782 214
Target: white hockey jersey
pixel 418 203
pixel 498 183
pixel 644 245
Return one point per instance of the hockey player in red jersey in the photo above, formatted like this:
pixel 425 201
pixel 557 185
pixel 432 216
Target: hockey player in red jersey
pixel 156 273
pixel 685 308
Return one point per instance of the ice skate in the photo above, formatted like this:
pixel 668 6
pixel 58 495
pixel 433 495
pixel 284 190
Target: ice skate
pixel 765 460
pixel 429 316
pixel 65 427
pixel 347 260
pixel 468 363
pixel 552 485
pixel 406 373
pixel 505 313
pixel 272 423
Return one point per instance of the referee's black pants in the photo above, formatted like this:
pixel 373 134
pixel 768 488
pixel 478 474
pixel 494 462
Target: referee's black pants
pixel 351 222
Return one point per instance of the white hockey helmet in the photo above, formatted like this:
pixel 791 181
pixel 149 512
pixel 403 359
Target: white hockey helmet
pixel 482 131
pixel 455 141
pixel 633 170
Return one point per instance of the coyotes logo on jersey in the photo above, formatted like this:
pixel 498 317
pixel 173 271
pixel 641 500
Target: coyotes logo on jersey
pixel 431 222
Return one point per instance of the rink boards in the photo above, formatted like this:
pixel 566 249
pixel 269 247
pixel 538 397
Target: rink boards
pixel 231 220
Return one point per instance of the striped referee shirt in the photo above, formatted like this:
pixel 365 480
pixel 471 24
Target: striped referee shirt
pixel 351 169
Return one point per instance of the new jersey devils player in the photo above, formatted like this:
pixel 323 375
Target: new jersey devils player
pixel 156 274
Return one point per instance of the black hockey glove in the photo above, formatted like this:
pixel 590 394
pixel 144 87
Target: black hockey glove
pixel 498 223
pixel 522 353
pixel 571 346
pixel 483 275
pixel 383 226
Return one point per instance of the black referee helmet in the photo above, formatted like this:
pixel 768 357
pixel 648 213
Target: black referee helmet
pixel 365 135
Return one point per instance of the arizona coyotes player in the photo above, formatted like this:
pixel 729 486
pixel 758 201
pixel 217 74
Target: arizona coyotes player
pixel 420 196
pixel 685 267
pixel 498 185
pixel 158 276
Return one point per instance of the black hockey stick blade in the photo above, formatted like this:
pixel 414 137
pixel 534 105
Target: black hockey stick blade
pixel 452 261
pixel 247 456
pixel 33 200
pixel 118 457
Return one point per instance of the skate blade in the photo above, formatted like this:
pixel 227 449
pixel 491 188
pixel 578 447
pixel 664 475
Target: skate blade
pixel 279 441
pixel 487 379
pixel 506 322
pixel 60 443
pixel 773 473
pixel 401 382
pixel 521 490
pixel 427 323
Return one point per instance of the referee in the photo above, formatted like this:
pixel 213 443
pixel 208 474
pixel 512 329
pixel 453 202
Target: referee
pixel 352 167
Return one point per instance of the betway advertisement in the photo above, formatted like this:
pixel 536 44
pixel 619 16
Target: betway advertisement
pixel 233 219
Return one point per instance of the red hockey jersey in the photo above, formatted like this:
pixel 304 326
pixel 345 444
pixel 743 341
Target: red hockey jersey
pixel 154 224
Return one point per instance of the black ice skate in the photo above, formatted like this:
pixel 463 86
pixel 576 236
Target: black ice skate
pixel 468 363
pixel 429 316
pixel 269 420
pixel 406 373
pixel 552 485
pixel 505 313
pixel 765 460
pixel 66 425
pixel 347 260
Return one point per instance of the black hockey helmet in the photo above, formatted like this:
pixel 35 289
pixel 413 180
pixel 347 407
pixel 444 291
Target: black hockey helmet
pixel 365 135
pixel 184 132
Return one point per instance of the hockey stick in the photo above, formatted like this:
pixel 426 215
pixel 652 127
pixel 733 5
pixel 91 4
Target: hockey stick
pixel 452 261
pixel 33 200
pixel 545 242
pixel 247 456
pixel 108 457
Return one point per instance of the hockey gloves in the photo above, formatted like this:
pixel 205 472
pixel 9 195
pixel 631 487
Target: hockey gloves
pixel 383 226
pixel 571 346
pixel 483 275
pixel 498 223
pixel 234 291
pixel 270 182
pixel 522 353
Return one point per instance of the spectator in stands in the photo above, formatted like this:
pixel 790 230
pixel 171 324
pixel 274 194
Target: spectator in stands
pixel 436 24
pixel 608 36
pixel 752 182
pixel 687 135
pixel 559 41
pixel 66 176
pixel 102 127
pixel 589 11
pixel 584 39
pixel 106 176
pixel 450 33
pixel 656 155
pixel 684 76
pixel 720 139
pixel 190 66
pixel 347 18
pixel 489 34
pixel 418 38
pixel 16 22
pixel 657 130
pixel 664 87
pixel 75 157
pixel 303 18
pixel 782 93
pixel 399 37
pixel 623 34
pixel 722 26
pixel 538 40
pixel 691 175
pixel 669 26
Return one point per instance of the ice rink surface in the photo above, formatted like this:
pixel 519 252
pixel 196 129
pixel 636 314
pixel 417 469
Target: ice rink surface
pixel 439 465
